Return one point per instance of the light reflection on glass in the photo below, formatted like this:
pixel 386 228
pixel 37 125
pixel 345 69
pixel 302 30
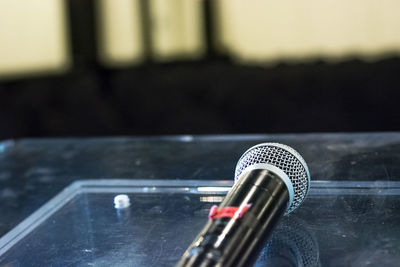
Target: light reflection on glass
pixel 212 199
pixel 213 188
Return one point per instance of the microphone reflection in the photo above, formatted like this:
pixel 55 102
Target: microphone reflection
pixel 291 245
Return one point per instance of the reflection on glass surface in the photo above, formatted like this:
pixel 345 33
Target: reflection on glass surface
pixel 212 199
pixel 339 224
pixel 291 245
pixel 211 188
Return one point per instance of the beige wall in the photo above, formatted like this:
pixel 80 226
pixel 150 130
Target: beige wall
pixel 119 31
pixel 268 30
pixel 177 29
pixel 32 37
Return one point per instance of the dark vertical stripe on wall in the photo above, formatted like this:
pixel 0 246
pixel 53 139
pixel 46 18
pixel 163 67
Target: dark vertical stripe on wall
pixel 146 28
pixel 81 17
pixel 209 28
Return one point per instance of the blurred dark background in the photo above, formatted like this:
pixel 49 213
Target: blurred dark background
pixel 137 67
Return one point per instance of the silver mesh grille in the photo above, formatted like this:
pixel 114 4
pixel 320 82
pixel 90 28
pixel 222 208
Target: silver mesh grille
pixel 286 159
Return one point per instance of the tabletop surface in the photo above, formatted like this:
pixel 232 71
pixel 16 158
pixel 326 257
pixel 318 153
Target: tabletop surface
pixel 32 171
pixel 340 223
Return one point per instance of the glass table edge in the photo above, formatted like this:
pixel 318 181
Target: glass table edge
pixel 219 187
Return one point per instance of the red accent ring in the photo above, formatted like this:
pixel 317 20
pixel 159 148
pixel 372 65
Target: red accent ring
pixel 227 212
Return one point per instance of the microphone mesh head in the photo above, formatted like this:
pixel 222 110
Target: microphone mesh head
pixel 285 158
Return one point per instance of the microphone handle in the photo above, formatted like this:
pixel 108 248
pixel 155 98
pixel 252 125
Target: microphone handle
pixel 238 241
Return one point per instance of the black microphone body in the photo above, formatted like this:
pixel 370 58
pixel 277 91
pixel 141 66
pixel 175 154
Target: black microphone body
pixel 236 241
pixel 272 180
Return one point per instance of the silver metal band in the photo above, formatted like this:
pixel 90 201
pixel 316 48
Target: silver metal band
pixel 278 172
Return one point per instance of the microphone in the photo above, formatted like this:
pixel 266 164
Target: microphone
pixel 271 180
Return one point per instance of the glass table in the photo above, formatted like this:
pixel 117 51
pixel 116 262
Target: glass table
pixel 66 190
